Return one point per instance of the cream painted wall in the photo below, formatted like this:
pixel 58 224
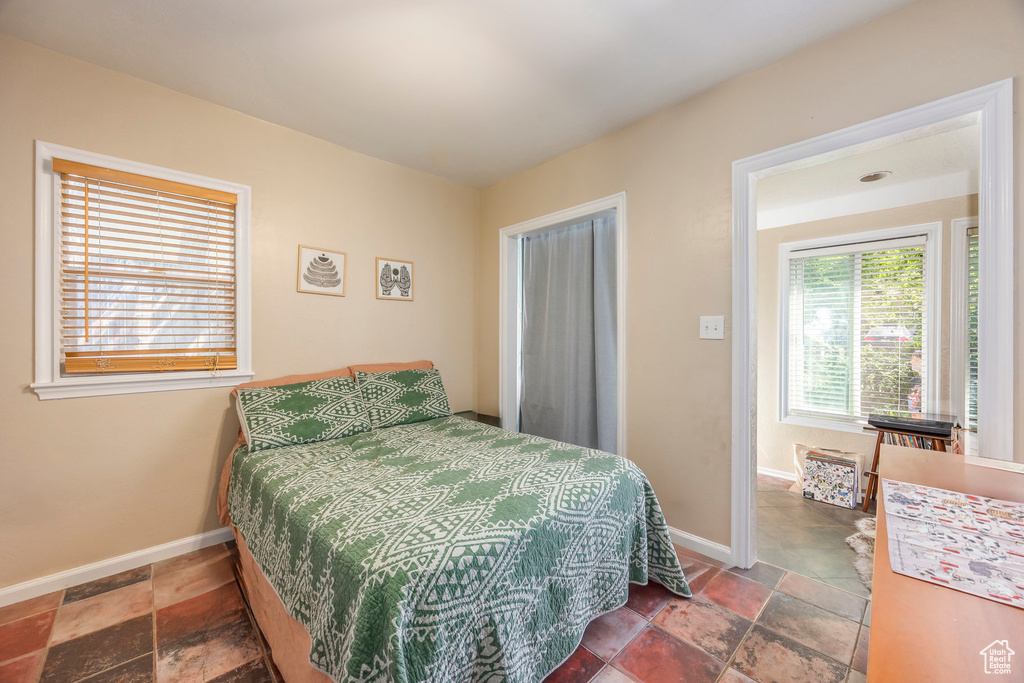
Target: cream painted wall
pixel 86 479
pixel 774 439
pixel 675 167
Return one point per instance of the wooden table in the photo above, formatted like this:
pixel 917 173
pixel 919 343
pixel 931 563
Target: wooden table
pixel 923 632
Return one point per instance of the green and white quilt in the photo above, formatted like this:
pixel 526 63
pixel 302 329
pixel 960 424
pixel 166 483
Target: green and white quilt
pixel 448 550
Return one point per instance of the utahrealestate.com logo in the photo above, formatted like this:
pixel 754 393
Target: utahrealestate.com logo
pixel 997 657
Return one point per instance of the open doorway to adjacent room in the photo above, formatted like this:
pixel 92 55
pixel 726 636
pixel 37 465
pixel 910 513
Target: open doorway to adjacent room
pixel 856 269
pixel 873 273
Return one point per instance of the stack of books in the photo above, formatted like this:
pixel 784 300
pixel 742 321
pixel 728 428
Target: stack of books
pixel 909 441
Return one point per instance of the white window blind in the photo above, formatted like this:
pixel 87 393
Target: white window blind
pixel 147 269
pixel 972 329
pixel 857 329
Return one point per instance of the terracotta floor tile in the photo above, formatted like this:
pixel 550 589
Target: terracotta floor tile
pixel 734 676
pixel 607 634
pixel 693 554
pixel 103 610
pixel 197 557
pixel 827 597
pixel 208 611
pixel 867 615
pixel 99 651
pixel 109 583
pixel 701 622
pixel 656 657
pixel 860 658
pixel 253 672
pixel 191 581
pixel 648 599
pixel 766 656
pixel 610 674
pixel 27 608
pixel 697 573
pixel 768 574
pixel 812 626
pixel 29 634
pixel 24 669
pixel 579 668
pixel 849 585
pixel 204 637
pixel 139 670
pixel 742 596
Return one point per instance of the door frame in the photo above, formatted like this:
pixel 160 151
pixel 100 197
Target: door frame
pixel 993 104
pixel 510 305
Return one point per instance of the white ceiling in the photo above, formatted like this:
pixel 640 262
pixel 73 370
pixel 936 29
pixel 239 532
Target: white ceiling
pixel 471 90
pixel 926 167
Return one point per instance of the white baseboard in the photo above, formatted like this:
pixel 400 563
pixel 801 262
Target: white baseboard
pixel 778 474
pixel 716 551
pixel 98 570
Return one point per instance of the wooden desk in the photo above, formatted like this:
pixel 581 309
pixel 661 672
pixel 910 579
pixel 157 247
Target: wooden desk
pixel 922 632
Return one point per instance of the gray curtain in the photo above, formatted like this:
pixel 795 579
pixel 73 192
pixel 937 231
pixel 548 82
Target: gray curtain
pixel 569 337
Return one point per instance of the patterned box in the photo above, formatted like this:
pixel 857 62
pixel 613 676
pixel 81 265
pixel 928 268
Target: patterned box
pixel 831 480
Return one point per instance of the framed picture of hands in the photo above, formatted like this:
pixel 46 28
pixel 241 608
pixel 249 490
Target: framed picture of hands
pixel 395 279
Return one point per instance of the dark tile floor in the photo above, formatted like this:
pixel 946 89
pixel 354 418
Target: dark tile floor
pixel 184 619
pixel 805 536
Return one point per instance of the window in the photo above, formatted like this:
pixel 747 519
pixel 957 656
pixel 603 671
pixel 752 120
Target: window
pixel 148 278
pixel 857 333
pixel 971 409
pixel 963 353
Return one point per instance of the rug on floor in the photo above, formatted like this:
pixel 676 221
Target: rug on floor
pixel 863 543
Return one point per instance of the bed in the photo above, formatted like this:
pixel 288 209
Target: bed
pixel 442 550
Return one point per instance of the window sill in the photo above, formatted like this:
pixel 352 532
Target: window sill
pixel 109 385
pixel 823 423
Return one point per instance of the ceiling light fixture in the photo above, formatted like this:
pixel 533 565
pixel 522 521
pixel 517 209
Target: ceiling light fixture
pixel 875 176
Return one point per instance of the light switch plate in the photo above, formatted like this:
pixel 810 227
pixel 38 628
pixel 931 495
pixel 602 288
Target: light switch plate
pixel 712 327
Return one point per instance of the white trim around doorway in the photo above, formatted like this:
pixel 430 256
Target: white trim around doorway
pixel 510 311
pixel 993 106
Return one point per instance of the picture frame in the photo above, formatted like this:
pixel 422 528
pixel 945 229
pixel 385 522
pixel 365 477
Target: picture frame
pixel 395 279
pixel 321 271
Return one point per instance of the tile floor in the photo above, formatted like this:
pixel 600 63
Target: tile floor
pixel 805 536
pixel 184 619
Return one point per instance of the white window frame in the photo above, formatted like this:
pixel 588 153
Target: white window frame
pixel 49 384
pixel 958 325
pixel 853 243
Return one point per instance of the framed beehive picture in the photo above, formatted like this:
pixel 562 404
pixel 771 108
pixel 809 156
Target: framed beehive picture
pixel 321 271
pixel 395 279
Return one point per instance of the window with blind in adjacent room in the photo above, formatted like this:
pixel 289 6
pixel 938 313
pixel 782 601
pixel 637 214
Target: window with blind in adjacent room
pixel 147 278
pixel 857 336
pixel 971 407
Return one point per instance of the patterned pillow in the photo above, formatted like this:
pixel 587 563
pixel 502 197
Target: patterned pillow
pixel 403 396
pixel 320 410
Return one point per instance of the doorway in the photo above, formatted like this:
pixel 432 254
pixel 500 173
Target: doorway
pixel 524 313
pixel 991 107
